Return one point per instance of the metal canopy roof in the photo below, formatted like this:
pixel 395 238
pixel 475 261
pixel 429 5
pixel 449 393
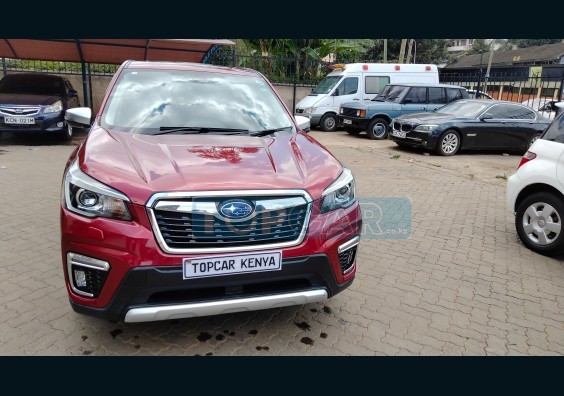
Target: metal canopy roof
pixel 114 51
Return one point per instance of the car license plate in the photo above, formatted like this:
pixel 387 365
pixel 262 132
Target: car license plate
pixel 399 134
pixel 233 264
pixel 347 122
pixel 19 120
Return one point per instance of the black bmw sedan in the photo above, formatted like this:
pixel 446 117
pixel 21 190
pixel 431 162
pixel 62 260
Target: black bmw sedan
pixel 36 102
pixel 470 124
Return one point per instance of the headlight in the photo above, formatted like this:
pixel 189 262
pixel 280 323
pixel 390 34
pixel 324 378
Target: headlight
pixel 54 108
pixel 88 197
pixel 341 111
pixel 340 194
pixel 310 110
pixel 361 113
pixel 425 128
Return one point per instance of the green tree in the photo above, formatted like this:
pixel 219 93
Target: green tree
pixel 479 46
pixel 523 43
pixel 424 50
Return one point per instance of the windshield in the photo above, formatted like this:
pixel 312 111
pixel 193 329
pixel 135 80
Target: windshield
pixel 555 132
pixel 150 101
pixel 326 85
pixel 32 84
pixel 392 93
pixel 463 108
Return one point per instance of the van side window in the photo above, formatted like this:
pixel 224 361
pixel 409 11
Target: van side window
pixel 437 95
pixel 453 94
pixel 375 84
pixel 349 86
pixel 417 95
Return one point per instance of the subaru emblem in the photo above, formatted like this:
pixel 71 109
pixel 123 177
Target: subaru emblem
pixel 237 209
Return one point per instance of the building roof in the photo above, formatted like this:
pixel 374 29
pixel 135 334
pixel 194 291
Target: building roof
pixel 113 51
pixel 542 54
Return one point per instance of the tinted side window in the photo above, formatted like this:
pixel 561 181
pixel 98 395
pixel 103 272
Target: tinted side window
pixel 417 95
pixel 453 94
pixel 437 95
pixel 555 131
pixel 375 84
pixel 348 86
pixel 519 113
pixel 498 111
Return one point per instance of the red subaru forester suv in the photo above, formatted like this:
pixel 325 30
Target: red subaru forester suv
pixel 196 193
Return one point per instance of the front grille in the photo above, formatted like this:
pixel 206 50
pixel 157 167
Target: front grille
pixel 299 111
pixel 346 259
pixel 406 127
pixel 19 111
pixel 95 279
pixel 185 229
pixel 398 126
pixel 349 112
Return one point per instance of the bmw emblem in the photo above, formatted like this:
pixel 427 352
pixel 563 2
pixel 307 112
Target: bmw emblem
pixel 236 209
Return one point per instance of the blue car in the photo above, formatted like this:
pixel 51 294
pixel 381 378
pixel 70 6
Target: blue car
pixel 375 116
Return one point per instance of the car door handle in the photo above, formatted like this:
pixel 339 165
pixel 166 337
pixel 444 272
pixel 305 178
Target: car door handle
pixel 356 99
pixel 422 108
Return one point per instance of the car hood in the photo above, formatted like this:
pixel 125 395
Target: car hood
pixel 140 165
pixel 430 118
pixel 27 99
pixel 309 101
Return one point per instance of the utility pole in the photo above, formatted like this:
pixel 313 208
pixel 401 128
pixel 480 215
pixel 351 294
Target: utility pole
pixel 402 50
pixel 488 70
pixel 385 50
pixel 409 48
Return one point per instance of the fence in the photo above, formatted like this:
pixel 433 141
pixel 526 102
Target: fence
pixel 532 86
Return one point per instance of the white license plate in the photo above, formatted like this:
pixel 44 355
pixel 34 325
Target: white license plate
pixel 399 134
pixel 233 264
pixel 347 122
pixel 19 120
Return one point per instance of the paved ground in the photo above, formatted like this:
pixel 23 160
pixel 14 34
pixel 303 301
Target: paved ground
pixel 461 285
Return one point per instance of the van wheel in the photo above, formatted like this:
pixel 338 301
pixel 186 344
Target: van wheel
pixel 378 129
pixel 328 122
pixel 352 131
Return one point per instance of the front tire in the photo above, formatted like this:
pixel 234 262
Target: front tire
pixel 449 143
pixel 539 223
pixel 66 134
pixel 328 122
pixel 378 129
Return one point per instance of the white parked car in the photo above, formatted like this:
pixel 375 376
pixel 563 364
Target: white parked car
pixel 535 193
pixel 546 107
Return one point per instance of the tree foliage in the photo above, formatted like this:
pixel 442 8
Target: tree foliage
pixel 424 50
pixel 479 46
pixel 523 43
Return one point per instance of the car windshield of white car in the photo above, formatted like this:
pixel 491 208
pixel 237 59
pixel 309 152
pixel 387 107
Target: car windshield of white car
pixel 153 101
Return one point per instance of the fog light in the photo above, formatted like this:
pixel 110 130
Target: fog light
pixel 87 275
pixel 80 278
pixel 347 254
pixel 60 124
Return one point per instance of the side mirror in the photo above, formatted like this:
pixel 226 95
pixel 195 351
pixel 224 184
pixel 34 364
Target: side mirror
pixel 304 123
pixel 336 93
pixel 486 116
pixel 79 117
pixel 72 93
pixel 407 101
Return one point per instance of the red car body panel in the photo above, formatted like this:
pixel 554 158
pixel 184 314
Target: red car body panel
pixel 141 165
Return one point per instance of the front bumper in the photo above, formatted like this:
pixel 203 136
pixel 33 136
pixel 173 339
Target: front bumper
pixel 43 123
pixel 314 118
pixel 142 276
pixel 413 139
pixel 355 122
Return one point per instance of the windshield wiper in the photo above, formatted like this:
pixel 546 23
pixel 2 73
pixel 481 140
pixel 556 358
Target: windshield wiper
pixel 196 130
pixel 269 131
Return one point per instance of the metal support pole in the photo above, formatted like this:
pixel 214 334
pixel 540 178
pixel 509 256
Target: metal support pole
pixel 90 86
pixel 558 109
pixel 295 73
pixel 84 85
pixel 4 66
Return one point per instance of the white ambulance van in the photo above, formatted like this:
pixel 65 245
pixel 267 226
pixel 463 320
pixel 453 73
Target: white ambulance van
pixel 357 81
